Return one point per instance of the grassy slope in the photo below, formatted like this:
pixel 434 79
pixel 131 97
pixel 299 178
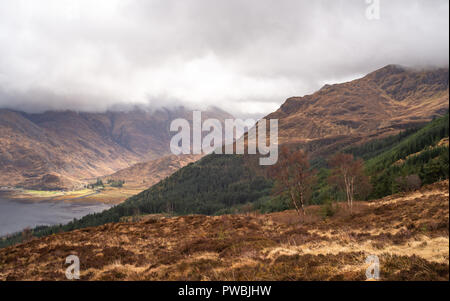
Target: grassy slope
pixel 408 232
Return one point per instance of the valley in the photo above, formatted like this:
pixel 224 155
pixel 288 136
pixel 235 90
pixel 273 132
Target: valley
pixel 64 150
pixel 136 178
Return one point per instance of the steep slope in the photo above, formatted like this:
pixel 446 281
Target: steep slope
pixel 408 233
pixel 424 154
pixel 428 137
pixel 381 103
pixel 55 150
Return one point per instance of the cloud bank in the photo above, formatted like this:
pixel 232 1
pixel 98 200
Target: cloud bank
pixel 244 56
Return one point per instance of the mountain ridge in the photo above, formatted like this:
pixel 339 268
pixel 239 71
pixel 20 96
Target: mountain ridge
pixel 383 102
pixel 60 149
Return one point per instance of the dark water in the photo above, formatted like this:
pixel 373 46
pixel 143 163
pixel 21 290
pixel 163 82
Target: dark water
pixel 15 215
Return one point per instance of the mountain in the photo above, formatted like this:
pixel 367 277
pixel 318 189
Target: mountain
pixel 221 184
pixel 54 150
pixel 382 103
pixel 407 232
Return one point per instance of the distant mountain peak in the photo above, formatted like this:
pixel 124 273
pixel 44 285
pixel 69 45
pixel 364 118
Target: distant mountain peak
pixel 387 70
pixel 385 101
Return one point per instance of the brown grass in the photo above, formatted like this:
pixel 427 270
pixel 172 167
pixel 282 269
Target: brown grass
pixel 408 232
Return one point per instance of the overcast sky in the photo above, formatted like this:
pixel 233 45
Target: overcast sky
pixel 244 56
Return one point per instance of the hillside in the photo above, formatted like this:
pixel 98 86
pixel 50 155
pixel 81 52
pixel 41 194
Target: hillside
pixel 408 232
pixel 382 103
pixel 146 174
pixel 427 138
pixel 424 154
pixel 57 150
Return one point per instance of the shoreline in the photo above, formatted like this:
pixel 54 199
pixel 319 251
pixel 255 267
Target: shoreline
pixel 21 196
pixel 108 195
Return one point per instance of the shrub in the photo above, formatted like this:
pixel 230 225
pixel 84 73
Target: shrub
pixel 328 209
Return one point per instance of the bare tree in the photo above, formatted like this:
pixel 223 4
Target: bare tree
pixel 348 175
pixel 294 177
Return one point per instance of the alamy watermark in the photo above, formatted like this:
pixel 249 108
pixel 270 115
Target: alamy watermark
pixel 373 270
pixel 237 136
pixel 73 271
pixel 373 9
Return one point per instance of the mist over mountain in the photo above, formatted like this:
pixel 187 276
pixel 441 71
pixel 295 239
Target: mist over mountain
pixel 245 57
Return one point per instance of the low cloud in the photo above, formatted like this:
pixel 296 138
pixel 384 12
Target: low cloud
pixel 245 57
